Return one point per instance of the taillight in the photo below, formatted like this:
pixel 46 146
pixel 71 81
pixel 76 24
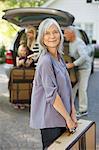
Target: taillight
pixel 9 58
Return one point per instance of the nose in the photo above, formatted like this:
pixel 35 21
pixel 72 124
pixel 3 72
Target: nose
pixel 51 35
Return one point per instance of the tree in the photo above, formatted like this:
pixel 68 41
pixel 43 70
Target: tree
pixel 23 3
pixel 7 31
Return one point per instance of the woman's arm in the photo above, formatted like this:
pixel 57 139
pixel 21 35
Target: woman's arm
pixel 51 92
pixel 59 106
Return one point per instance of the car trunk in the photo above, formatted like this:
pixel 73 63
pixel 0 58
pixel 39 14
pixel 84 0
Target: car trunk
pixel 33 16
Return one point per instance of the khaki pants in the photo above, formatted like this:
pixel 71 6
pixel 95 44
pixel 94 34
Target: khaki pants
pixel 81 86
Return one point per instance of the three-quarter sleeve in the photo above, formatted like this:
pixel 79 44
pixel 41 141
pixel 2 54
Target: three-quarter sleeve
pixel 48 80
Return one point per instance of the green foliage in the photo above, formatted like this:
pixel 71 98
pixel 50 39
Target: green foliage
pixel 8 30
pixel 22 3
pixel 17 3
pixel 2 51
pixel 2 54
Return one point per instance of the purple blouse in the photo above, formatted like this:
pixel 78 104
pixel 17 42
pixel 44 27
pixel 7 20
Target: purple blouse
pixel 51 77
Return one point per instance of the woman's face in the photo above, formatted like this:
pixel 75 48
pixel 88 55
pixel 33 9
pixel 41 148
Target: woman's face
pixel 30 35
pixel 52 37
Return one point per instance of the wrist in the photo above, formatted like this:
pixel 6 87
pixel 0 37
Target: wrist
pixel 67 117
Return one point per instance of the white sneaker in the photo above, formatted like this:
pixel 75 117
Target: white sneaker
pixel 81 114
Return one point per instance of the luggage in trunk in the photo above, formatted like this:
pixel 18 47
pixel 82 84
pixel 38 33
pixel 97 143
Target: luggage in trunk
pixel 20 85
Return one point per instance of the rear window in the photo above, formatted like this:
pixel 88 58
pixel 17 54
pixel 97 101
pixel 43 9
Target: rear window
pixel 25 16
pixel 38 17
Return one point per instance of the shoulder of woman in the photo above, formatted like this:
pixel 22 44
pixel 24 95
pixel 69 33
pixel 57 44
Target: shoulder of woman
pixel 45 59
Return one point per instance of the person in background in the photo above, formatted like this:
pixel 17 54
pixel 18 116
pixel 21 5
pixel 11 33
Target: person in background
pixel 52 107
pixel 78 50
pixel 22 59
pixel 29 38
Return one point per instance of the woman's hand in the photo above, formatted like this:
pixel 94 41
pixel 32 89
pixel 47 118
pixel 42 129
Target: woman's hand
pixel 70 65
pixel 70 124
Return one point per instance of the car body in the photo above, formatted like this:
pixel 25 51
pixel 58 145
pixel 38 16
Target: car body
pixel 33 16
pixel 96 46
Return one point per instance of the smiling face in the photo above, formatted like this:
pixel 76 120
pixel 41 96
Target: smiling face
pixel 51 38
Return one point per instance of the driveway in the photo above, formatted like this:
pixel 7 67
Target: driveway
pixel 15 133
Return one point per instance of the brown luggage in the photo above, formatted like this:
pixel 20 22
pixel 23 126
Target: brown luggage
pixel 20 85
pixel 83 139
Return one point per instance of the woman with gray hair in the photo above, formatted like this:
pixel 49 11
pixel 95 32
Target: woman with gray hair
pixel 52 107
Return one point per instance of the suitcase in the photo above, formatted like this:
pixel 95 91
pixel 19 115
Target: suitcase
pixel 83 139
pixel 20 85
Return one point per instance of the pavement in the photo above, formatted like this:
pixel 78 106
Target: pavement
pixel 15 133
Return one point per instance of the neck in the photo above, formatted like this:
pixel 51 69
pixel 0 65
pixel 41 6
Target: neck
pixel 54 53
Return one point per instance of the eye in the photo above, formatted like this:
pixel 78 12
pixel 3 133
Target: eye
pixel 55 31
pixel 47 33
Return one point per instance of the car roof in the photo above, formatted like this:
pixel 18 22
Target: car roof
pixel 33 16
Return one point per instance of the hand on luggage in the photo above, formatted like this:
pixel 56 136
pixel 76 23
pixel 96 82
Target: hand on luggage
pixel 71 125
pixel 72 130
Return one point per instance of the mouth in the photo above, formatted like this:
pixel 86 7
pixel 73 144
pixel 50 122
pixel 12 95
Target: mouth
pixel 53 41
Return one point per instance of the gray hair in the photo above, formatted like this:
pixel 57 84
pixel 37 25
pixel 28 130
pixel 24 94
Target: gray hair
pixel 44 25
pixel 75 30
